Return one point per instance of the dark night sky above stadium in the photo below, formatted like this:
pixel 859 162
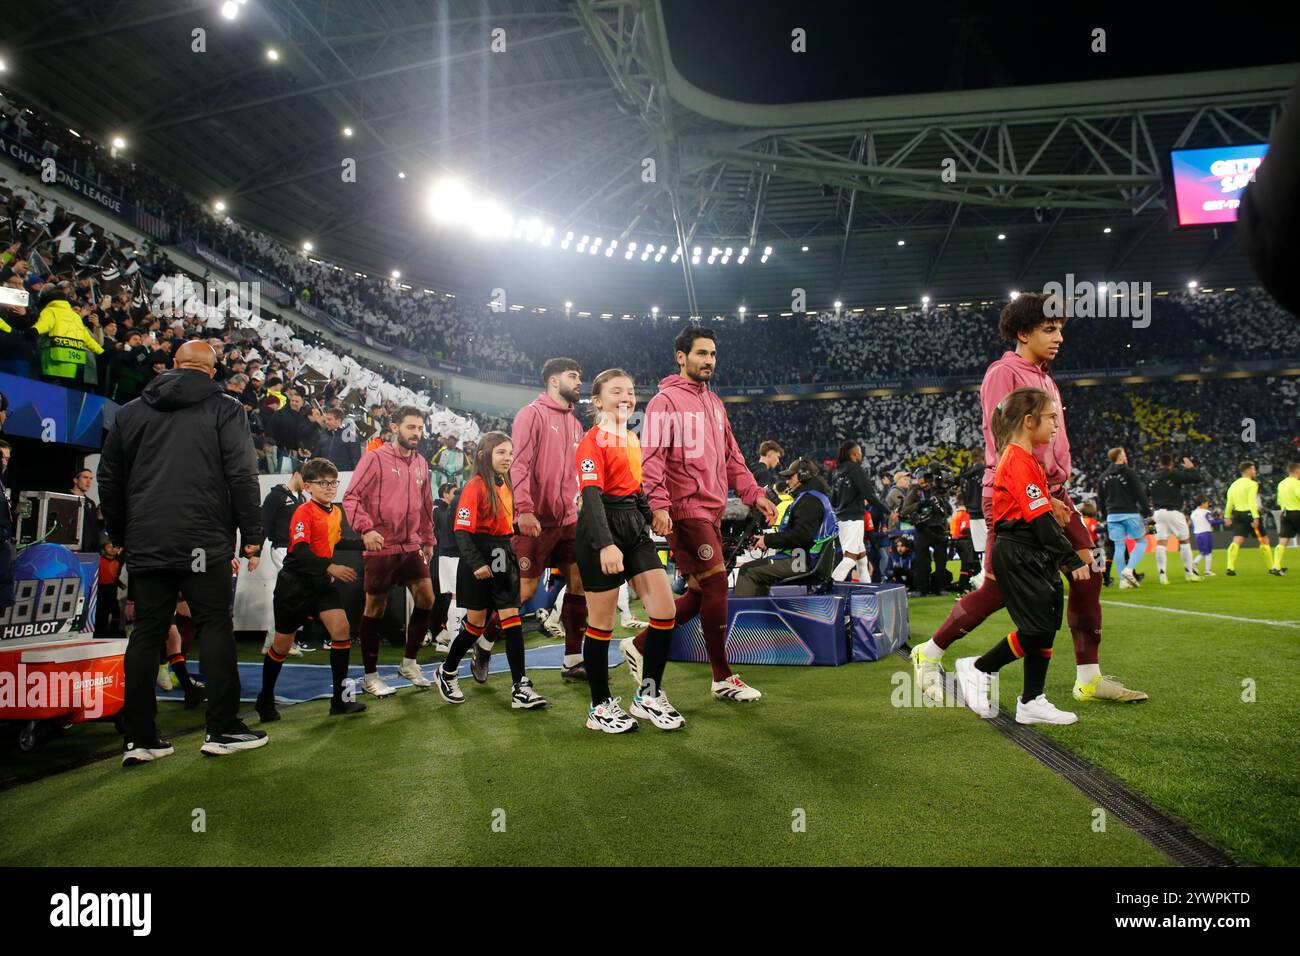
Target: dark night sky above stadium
pixel 740 49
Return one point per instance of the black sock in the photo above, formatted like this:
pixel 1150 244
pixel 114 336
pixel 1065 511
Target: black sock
pixel 1035 675
pixel 270 674
pixel 595 658
pixel 658 638
pixel 339 669
pixel 512 631
pixel 182 672
pixel 460 647
pixel 997 657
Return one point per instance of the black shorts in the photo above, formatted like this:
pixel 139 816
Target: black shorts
pixel 496 593
pixel 1290 526
pixel 298 600
pixel 1241 526
pixel 1030 582
pixel 631 536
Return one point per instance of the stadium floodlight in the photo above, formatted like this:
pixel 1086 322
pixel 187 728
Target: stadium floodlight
pixel 532 229
pixel 727 252
pixel 395 274
pixel 564 244
pixel 401 174
pixel 3 66
pixel 347 131
pixel 230 9
pixel 631 247
pixel 742 310
pixel 902 242
pixel 1192 284
pixel 219 206
pixel 1015 294
pixel 119 142
pixel 767 251
pixel 307 247
pixel 273 54
pixel 654 310
pixel 678 251
pixel 697 251
pixel 744 251
pixel 609 251
pixel 925 300
pixel 568 304
pixel 569 236
pixel 613 244
pixel 595 247
pixel 695 260
pixel 449 201
pixel 659 256
pixel 1001 236
pixel 628 254
pixel 838 305
pixel 763 259
pixel 490 219
pixel 804 249
pixel 1106 231
pixel 675 257
pixel 598 241
pixel 662 250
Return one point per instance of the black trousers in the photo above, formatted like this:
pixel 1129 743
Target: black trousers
pixel 929 538
pixel 757 577
pixel 208 595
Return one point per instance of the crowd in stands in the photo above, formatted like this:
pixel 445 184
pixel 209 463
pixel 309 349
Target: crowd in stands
pixel 1215 422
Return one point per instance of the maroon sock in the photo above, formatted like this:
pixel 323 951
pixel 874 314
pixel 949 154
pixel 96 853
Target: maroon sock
pixel 688 605
pixel 416 628
pixel 970 612
pixel 713 621
pixel 185 624
pixel 1083 614
pixel 574 617
pixel 370 627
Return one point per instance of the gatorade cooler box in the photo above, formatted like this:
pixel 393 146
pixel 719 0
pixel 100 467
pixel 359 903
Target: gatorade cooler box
pixel 51 684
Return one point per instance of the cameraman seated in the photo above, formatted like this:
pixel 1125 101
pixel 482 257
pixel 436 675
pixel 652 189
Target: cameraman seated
pixel 899 560
pixel 807 526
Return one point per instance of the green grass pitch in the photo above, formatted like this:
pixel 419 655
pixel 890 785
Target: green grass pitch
pixel 824 770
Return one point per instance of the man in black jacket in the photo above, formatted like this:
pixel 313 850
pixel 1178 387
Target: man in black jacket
pixel 929 513
pixel 338 441
pixel 852 492
pixel 769 459
pixel 1122 501
pixel 970 488
pixel 801 537
pixel 81 483
pixel 1168 491
pixel 291 431
pixel 177 479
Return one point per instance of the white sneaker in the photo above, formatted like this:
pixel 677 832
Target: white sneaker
pixel 1193 575
pixel 1131 578
pixel 266 644
pixel 1040 710
pixel 1208 574
pixel 164 680
pixel 1164 578
pixel 443 641
pixel 376 686
pixel 977 581
pixel 410 670
pixel 1123 583
pixel 631 621
pixel 295 650
pixel 609 718
pixel 657 710
pixel 523 696
pixel 975 686
pixel 733 688
pixel 553 625
pixel 635 661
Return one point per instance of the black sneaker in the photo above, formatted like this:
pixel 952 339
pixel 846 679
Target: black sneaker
pixel 237 737
pixel 266 710
pixel 448 686
pixel 524 697
pixel 1275 572
pixel 304 647
pixel 1231 573
pixel 147 752
pixel 340 707
pixel 574 674
pixel 478 665
pixel 197 694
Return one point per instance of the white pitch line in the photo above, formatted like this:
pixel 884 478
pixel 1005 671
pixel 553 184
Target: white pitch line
pixel 1226 617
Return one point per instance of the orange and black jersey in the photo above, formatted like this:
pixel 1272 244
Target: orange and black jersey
pixel 609 476
pixel 315 531
pixel 609 462
pixel 475 524
pixel 1022 509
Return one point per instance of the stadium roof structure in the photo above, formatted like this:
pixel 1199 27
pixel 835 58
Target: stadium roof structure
pixel 553 108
